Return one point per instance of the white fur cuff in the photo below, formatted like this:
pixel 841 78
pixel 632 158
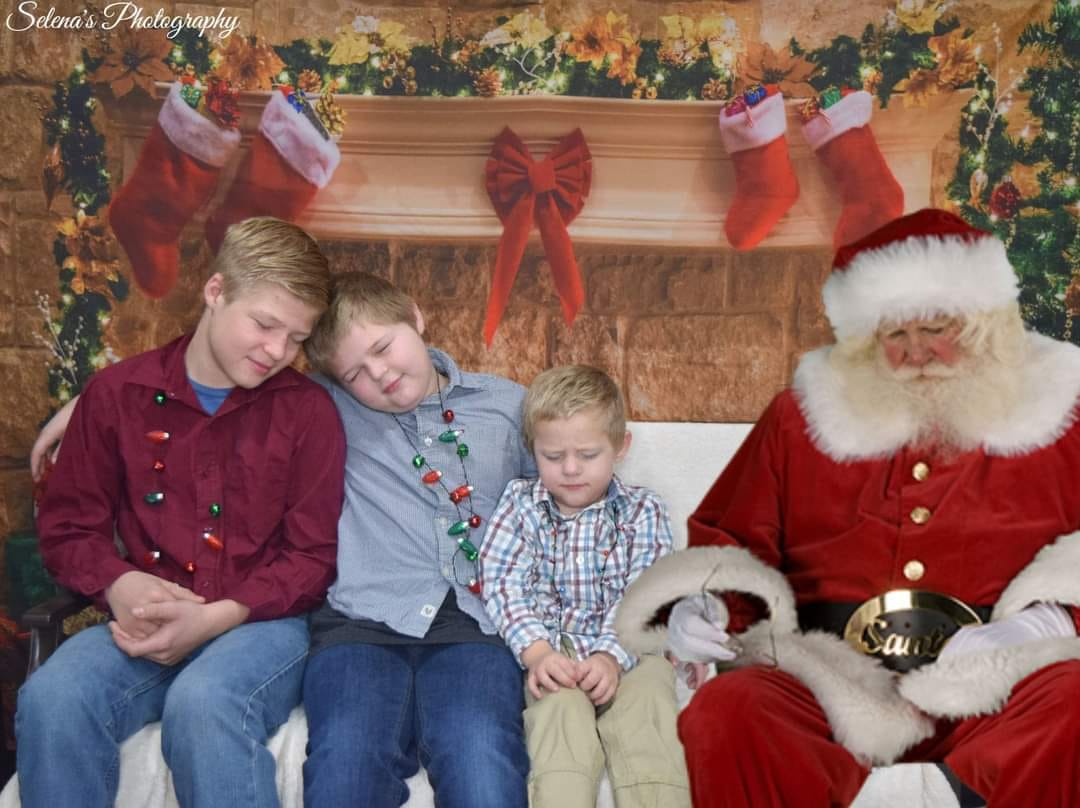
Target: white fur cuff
pixel 1053 576
pixel 193 134
pixel 309 154
pixel 755 126
pixel 850 112
pixel 973 684
pixel 686 572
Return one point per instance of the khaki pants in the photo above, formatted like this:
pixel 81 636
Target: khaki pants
pixel 569 739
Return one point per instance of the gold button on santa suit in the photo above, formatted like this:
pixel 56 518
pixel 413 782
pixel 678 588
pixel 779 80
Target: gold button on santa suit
pixel 914 570
pixel 920 471
pixel 920 515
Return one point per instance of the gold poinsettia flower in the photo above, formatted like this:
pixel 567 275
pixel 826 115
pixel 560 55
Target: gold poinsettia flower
pixel 592 42
pixel 91 253
pixel 919 16
pixel 528 30
pixel 607 37
pixel 365 37
pixel 248 63
pixel 135 59
pixel 682 41
pixel 956 60
pixel 762 65
pixel 918 88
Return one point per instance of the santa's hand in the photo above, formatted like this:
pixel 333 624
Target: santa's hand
pixel 696 630
pixel 1039 622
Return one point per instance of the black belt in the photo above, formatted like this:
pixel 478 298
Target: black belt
pixel 833 617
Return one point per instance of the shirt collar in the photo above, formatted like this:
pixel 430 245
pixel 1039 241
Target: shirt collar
pixel 169 374
pixel 445 364
pixel 617 496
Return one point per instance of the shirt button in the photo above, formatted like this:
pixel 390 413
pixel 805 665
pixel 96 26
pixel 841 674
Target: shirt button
pixel 427 610
pixel 580 560
pixel 427 440
pixel 920 515
pixel 920 471
pixel 914 570
pixel 446 572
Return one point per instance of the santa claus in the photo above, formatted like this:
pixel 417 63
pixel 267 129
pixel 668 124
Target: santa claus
pixel 888 569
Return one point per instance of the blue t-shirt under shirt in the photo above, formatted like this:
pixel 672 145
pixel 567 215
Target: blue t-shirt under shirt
pixel 210 397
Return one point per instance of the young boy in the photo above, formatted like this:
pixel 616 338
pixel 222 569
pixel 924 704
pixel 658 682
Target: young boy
pixel 405 666
pixel 220 470
pixel 558 554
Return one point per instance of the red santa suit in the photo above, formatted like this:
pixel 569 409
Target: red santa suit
pixel 827 503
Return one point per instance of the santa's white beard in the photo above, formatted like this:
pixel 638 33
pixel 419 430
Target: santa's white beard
pixel 950 408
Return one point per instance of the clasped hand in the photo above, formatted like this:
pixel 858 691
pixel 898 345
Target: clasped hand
pixel 597 675
pixel 157 619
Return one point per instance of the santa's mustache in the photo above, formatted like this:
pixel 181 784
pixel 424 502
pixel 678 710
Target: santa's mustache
pixel 931 370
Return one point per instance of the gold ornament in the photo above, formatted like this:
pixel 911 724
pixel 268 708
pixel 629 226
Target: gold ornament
pixel 331 114
pixel 762 65
pixel 976 186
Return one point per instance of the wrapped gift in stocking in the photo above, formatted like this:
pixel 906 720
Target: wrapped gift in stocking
pixel 840 135
pixel 175 175
pixel 752 130
pixel 289 162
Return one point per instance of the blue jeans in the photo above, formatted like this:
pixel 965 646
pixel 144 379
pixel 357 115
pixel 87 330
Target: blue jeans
pixel 217 708
pixel 377 712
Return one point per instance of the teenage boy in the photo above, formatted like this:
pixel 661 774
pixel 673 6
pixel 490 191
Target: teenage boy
pixel 558 554
pixel 219 471
pixel 406 668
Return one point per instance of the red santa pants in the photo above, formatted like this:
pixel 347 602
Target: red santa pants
pixel 757 737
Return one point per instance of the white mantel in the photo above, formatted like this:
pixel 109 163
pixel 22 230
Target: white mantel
pixel 414 167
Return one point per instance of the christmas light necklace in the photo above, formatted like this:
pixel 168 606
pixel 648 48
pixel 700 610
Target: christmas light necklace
pixel 459 531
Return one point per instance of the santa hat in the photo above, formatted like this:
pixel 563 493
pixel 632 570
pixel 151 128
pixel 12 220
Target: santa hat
pixel 926 264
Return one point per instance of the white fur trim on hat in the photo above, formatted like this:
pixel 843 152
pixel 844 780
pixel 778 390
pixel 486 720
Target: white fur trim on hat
pixel 755 126
pixel 920 276
pixel 850 112
pixel 686 572
pixel 193 134
pixel 303 147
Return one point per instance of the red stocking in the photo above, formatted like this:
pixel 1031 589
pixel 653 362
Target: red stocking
pixel 765 184
pixel 870 194
pixel 176 174
pixel 288 163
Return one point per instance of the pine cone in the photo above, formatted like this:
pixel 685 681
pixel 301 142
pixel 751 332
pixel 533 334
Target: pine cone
pixel 309 81
pixel 714 90
pixel 488 83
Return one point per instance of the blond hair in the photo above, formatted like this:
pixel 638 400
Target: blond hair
pixel 357 297
pixel 564 391
pixel 269 250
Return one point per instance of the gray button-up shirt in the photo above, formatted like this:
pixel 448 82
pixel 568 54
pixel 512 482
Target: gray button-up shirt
pixel 395 560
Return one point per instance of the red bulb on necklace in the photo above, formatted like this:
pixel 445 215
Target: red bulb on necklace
pixel 432 477
pixel 474 521
pixel 474 586
pixel 448 416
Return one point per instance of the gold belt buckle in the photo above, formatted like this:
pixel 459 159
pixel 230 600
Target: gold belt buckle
pixel 906 628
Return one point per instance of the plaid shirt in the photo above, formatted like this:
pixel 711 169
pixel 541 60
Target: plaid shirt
pixel 555 578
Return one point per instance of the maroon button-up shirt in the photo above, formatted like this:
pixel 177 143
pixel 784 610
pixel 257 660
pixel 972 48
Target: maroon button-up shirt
pixel 272 460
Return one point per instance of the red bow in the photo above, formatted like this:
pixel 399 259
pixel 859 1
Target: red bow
pixel 549 192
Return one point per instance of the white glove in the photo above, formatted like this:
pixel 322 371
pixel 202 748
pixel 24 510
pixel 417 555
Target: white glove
pixel 696 630
pixel 1039 622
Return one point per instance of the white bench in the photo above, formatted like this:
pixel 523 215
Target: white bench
pixel 677 460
